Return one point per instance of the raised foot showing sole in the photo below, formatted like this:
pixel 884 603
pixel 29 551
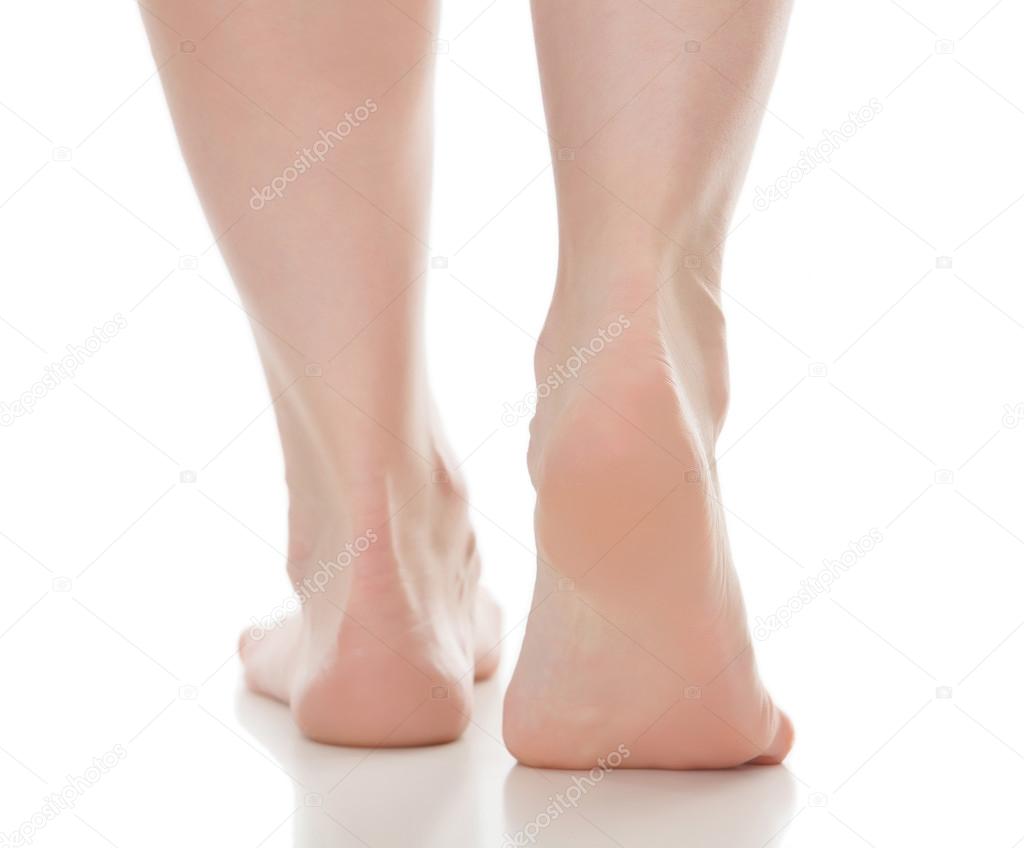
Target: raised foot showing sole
pixel 638 638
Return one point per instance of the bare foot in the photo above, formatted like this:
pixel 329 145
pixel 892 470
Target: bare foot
pixel 392 629
pixel 638 640
pixel 330 264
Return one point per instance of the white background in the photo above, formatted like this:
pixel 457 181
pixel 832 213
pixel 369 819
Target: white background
pixel 872 391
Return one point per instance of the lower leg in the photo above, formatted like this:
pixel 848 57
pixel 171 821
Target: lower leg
pixel 328 107
pixel 638 635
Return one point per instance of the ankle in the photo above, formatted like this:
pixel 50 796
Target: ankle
pixel 397 501
pixel 631 337
pixel 665 281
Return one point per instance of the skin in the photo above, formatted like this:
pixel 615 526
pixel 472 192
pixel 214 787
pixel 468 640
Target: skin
pixel 638 636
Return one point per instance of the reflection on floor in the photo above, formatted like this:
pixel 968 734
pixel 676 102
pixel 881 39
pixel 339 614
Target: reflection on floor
pixel 473 794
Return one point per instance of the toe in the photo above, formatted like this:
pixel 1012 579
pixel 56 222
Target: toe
pixel 781 744
pixel 487 632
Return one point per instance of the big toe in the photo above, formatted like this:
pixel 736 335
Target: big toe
pixel 780 745
pixel 487 632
